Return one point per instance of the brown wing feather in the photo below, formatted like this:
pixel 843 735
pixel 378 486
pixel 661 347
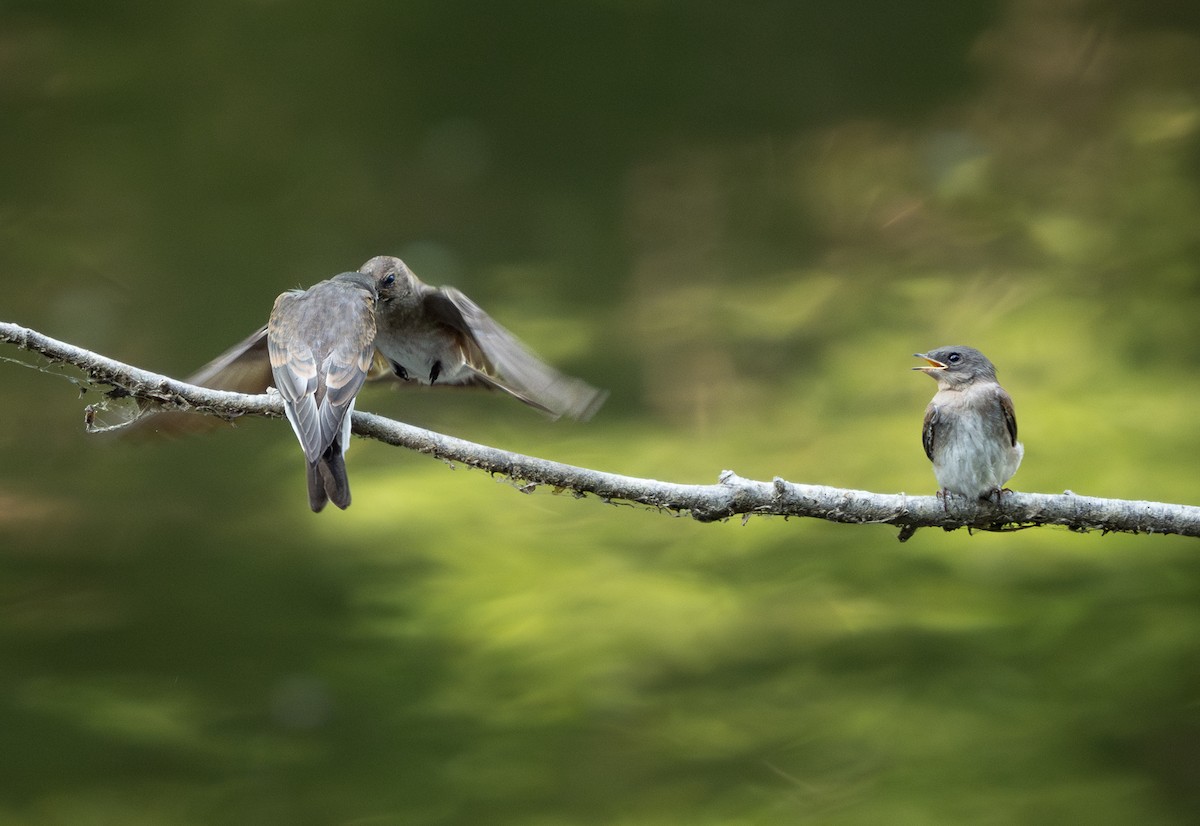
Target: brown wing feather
pixel 350 361
pixel 243 368
pixel 507 364
pixel 1010 416
pixel 454 309
pixel 294 368
pixel 929 430
pixel 293 363
pixel 346 368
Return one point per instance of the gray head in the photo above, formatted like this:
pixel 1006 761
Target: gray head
pixel 956 366
pixel 392 278
pixel 357 279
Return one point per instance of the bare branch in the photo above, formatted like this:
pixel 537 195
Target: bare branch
pixel 142 384
pixel 730 496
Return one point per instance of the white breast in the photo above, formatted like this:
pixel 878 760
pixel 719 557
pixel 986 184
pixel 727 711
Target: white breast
pixel 975 455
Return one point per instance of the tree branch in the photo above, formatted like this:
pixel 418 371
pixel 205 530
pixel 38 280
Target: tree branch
pixel 730 496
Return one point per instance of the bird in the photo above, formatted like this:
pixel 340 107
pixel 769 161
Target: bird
pixel 970 430
pixel 321 345
pixel 439 336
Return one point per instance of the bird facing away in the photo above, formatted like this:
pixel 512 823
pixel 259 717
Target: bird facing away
pixel 438 336
pixel 970 431
pixel 321 342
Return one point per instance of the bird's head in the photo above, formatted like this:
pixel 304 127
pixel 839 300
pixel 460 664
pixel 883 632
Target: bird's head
pixel 392 277
pixel 956 367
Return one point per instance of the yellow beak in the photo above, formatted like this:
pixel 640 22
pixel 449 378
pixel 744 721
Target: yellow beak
pixel 934 364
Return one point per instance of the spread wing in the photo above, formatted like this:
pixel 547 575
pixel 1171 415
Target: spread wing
pixel 501 361
pixel 929 430
pixel 243 368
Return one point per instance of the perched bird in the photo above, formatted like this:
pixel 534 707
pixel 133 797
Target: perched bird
pixel 321 343
pixel 970 431
pixel 426 335
pixel 438 336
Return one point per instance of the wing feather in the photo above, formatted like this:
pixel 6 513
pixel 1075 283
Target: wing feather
pixel 929 430
pixel 1010 416
pixel 502 361
pixel 243 368
pixel 294 368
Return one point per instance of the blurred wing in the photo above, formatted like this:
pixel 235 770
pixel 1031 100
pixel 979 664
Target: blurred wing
pixel 244 368
pixel 929 430
pixel 505 363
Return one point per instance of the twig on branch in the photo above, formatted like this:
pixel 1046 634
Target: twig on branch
pixel 730 496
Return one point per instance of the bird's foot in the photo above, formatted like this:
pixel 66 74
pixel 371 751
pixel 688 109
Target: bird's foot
pixel 995 495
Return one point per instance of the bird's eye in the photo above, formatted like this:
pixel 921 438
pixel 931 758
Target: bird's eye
pixel 954 358
pixel 389 279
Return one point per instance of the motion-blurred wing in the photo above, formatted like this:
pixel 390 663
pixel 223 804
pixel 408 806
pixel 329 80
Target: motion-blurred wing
pixel 243 368
pixel 503 362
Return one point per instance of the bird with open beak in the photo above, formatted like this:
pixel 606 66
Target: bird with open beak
pixel 321 343
pixel 970 431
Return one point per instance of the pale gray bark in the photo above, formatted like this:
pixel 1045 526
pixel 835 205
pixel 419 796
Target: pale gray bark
pixel 731 496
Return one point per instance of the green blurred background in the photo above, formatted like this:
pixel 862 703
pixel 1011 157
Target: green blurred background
pixel 741 219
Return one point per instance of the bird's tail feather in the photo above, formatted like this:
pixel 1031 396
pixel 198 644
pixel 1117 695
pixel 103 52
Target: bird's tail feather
pixel 331 468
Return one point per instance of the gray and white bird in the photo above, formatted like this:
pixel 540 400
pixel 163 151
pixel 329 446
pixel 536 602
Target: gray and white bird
pixel 970 431
pixel 438 336
pixel 321 343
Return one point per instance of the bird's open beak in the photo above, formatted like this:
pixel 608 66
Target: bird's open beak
pixel 934 364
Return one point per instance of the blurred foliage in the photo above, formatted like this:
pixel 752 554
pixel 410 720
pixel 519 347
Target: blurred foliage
pixel 741 218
